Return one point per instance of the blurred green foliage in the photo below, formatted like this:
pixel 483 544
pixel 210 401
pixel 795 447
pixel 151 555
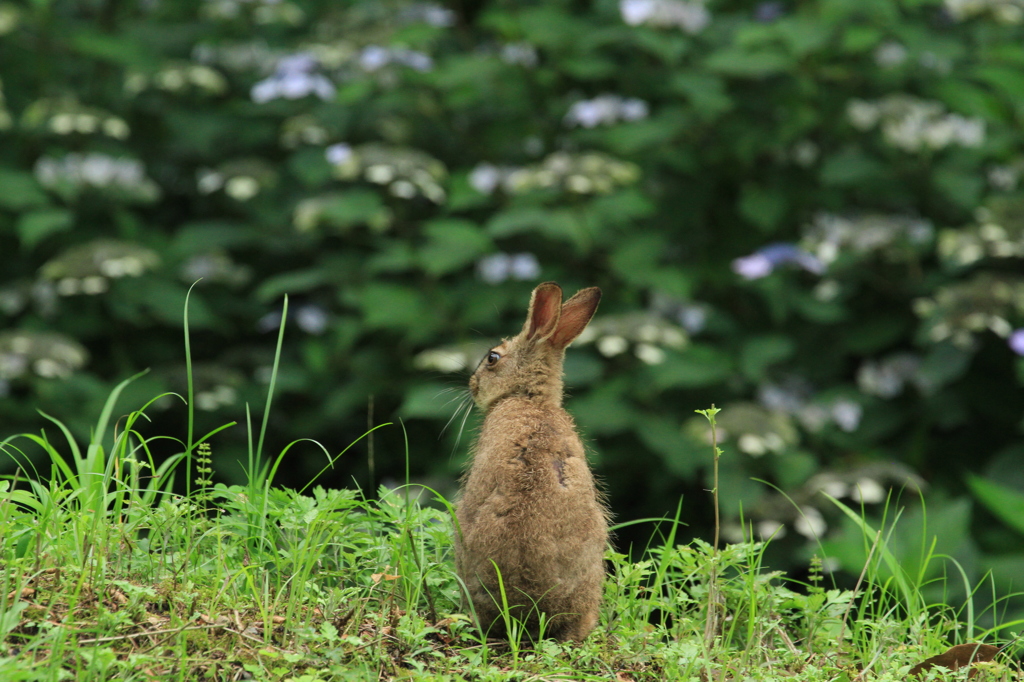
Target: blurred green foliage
pixel 809 214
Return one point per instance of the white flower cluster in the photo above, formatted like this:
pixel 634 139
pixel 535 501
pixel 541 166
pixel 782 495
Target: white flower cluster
pixel 499 267
pixel 374 58
pixel 886 378
pixel 829 235
pixel 994 236
pixel 47 354
pixel 813 413
pixel 1006 177
pixel 303 129
pixel 241 180
pixel 891 54
pixel 868 484
pixel 649 334
pixel 429 13
pixel 605 110
pixel 214 267
pixel 294 77
pixel 756 430
pixel 689 15
pixel 10 17
pixel 216 397
pixel 520 54
pixel 451 358
pixel 407 173
pixel 238 57
pixel 176 78
pixel 985 302
pixel 87 268
pixel 691 315
pixel 65 115
pixel 1004 11
pixel 74 173
pixel 588 173
pixel 310 318
pixel 916 125
pixel 263 12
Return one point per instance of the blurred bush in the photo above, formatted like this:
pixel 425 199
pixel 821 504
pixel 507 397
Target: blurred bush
pixel 810 214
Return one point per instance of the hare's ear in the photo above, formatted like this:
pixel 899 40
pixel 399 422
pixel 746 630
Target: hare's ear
pixel 545 308
pixel 576 313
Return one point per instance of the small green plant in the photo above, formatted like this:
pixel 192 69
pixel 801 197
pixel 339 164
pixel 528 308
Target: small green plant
pixel 712 626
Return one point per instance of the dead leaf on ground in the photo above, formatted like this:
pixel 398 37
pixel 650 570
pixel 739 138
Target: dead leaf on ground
pixel 959 656
pixel 377 577
pixel 25 593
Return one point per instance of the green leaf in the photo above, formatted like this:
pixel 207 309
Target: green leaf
pixel 354 207
pixel 621 207
pixel 604 410
pixel 663 435
pixel 35 226
pixel 518 221
pixel 428 401
pixel 963 188
pixel 137 298
pixel 19 191
pixel 114 48
pixel 393 306
pixel 706 92
pixel 462 196
pixel 944 363
pixel 851 166
pixel 763 207
pixel 1005 504
pixel 635 255
pixel 590 67
pixel 699 365
pixel 558 225
pixel 311 167
pixel 875 334
pixel 803 34
pixel 1009 80
pixel 452 244
pixel 966 98
pixel 392 256
pixel 633 138
pixel 295 282
pixel 860 38
pixel 742 64
pixel 206 235
pixel 636 260
pixel 761 352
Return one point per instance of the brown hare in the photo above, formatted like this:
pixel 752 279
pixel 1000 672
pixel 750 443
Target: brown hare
pixel 528 503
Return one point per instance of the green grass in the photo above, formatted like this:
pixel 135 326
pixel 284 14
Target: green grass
pixel 106 574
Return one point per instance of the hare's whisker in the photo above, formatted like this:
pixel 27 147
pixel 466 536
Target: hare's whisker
pixel 455 414
pixel 462 426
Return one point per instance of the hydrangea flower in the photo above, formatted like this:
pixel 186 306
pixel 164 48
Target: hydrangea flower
pixel 765 260
pixel 294 77
pixel 1016 341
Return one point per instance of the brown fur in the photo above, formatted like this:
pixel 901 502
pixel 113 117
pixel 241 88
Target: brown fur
pixel 528 502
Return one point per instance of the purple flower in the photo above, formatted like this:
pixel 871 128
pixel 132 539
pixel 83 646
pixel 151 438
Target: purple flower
pixel 763 262
pixel 302 62
pixel 1016 341
pixel 767 12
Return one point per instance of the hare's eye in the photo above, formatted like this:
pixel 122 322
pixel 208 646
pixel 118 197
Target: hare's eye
pixel 492 358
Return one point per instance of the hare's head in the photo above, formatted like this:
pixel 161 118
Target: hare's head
pixel 530 363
